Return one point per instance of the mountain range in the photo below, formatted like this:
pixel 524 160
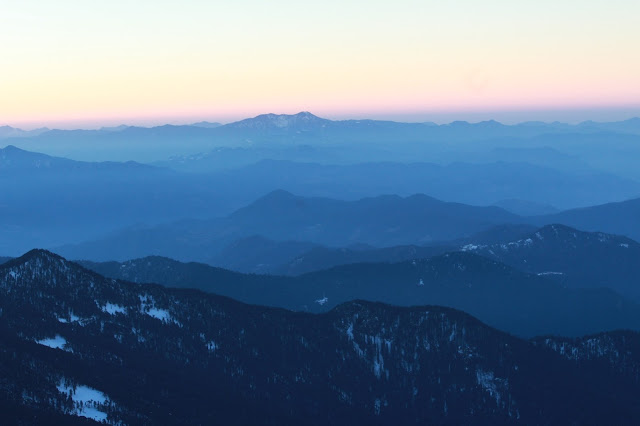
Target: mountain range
pixel 260 255
pixel 319 257
pixel 12 132
pixel 467 273
pixel 49 201
pixel 503 297
pixel 476 184
pixel 76 345
pixel 282 216
pixel 384 221
pixel 303 129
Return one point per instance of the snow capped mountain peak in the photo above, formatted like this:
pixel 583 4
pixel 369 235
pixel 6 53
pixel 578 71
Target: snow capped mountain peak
pixel 301 121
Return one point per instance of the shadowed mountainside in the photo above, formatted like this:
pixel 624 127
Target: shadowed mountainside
pixel 147 354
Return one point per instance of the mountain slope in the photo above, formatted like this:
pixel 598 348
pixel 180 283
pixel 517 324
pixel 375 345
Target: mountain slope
pixel 574 258
pixel 477 184
pixel 319 258
pixel 148 355
pixel 259 255
pixel 16 160
pixel 48 201
pixel 281 216
pixel 616 353
pixel 619 218
pixel 503 297
pixel 525 208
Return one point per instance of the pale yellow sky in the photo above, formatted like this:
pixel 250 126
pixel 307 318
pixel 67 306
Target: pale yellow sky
pixel 93 62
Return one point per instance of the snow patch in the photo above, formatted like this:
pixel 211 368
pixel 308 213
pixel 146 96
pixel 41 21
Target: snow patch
pixel 112 309
pixel 485 379
pixel 378 366
pixel 148 307
pixel 84 394
pixel 161 314
pixel 57 342
pixel 350 331
pixel 489 383
pixel 377 404
pixel 72 318
pixel 87 401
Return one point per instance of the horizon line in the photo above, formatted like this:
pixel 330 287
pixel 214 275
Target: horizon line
pixel 429 118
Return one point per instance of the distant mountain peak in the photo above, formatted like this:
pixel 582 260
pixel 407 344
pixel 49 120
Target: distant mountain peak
pixel 459 123
pixel 482 124
pixel 115 128
pixel 12 154
pixel 12 148
pixel 280 194
pixel 13 132
pixel 301 121
pixel 493 123
pixel 206 124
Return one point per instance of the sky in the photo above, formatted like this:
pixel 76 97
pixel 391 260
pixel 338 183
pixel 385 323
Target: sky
pixel 69 63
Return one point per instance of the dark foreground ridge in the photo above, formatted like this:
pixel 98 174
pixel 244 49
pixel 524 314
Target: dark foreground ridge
pixel 73 343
